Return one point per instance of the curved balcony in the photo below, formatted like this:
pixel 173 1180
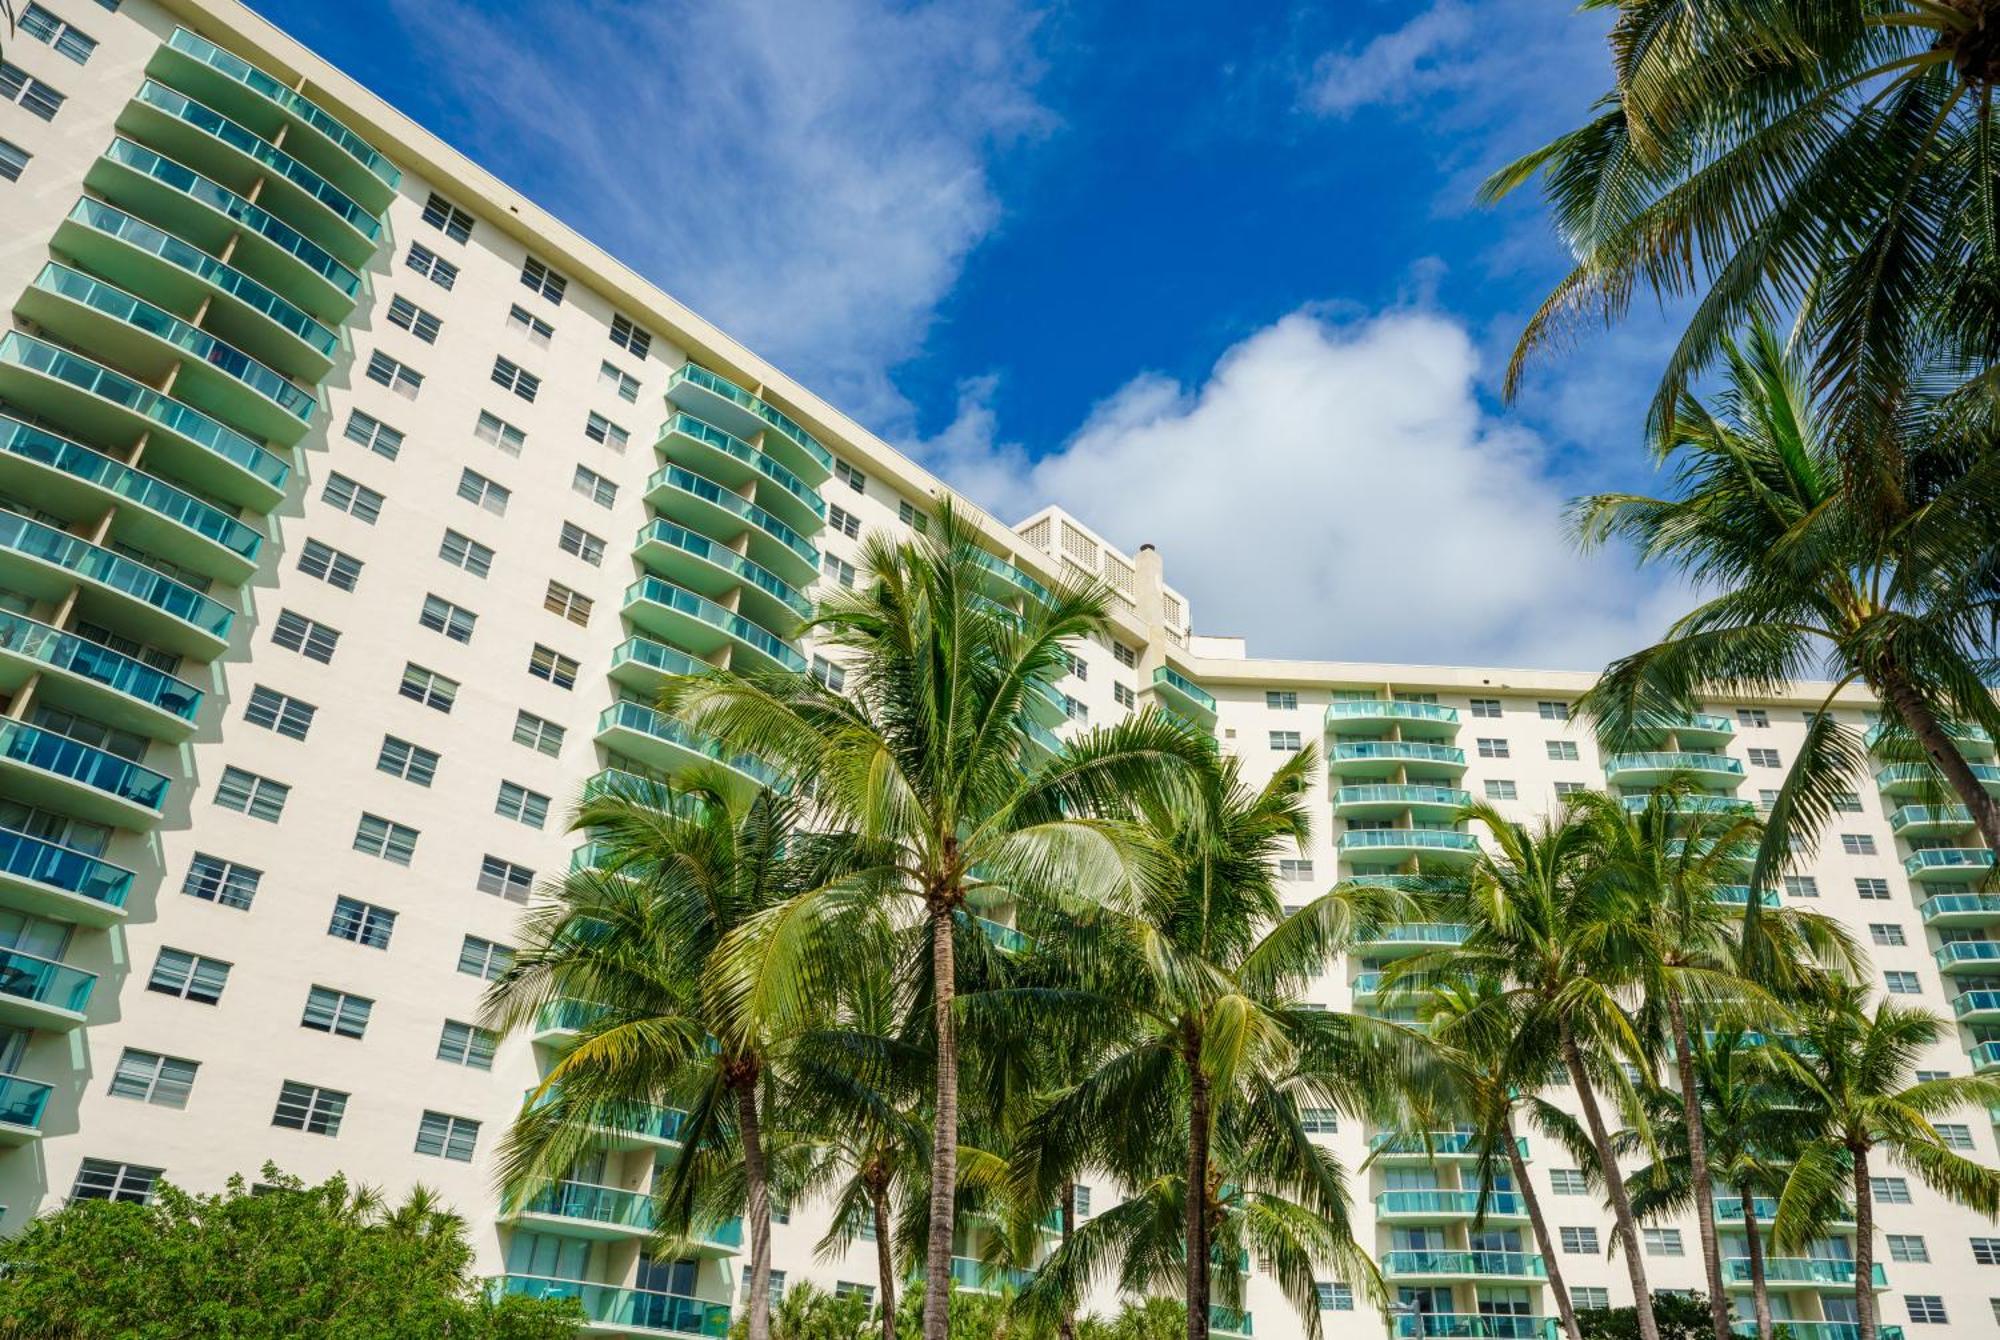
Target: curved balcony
pixel 1985 1057
pixel 1766 1210
pixel 1895 741
pixel 1447 1207
pixel 1978 1006
pixel 1968 956
pixel 1384 758
pixel 976 1276
pixel 1009 582
pixel 1003 936
pixel 21 1104
pixel 1961 909
pixel 138 257
pixel 1920 779
pixel 704 627
pixel 1229 1321
pixel 704 505
pixel 1463 1266
pixel 247 95
pixel 1738 895
pixel 1434 1147
pixel 78 779
pixel 1698 730
pixel 1382 802
pixel 1822 1330
pixel 1654 767
pixel 711 568
pixel 1930 821
pixel 1476 1326
pixel 1798 1272
pixel 110 407
pixel 637 730
pixel 210 215
pixel 608 1308
pixel 719 401
pixel 558 1023
pixel 1727 806
pixel 36 992
pixel 1374 716
pixel 239 159
pixel 624 1126
pixel 1402 844
pixel 588 1210
pixel 732 462
pixel 1948 865
pixel 47 879
pixel 43 562
pixel 1185 696
pixel 1411 937
pixel 643 664
pixel 1040 736
pixel 117 689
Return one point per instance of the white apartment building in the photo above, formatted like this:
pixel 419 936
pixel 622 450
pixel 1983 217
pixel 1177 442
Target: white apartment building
pixel 351 509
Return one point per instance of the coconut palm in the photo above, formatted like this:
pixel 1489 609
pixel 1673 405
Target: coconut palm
pixel 927 766
pixel 1852 1071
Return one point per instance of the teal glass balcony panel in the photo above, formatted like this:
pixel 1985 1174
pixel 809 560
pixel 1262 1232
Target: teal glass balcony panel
pixel 969 1273
pixel 1374 716
pixel 643 664
pixel 239 158
pixel 721 402
pixel 1192 699
pixel 21 1104
pixel 562 1019
pixel 704 505
pixel 631 786
pixel 1382 758
pixel 1968 956
pixel 1738 895
pixel 249 96
pixel 1895 741
pixel 105 406
pixel 1978 1004
pixel 1693 804
pixel 1961 909
pixel 587 1210
pixel 180 276
pixel 1698 730
pixel 36 992
pixel 1376 802
pixel 41 561
pixel 1463 1265
pixel 1821 1330
pixel 1650 769
pixel 623 1125
pixel 704 627
pixel 1766 1210
pixel 1010 582
pixel 642 733
pixel 1985 1056
pixel 1040 736
pixel 1411 937
pixel 79 779
pixel 711 568
pixel 48 879
pixel 1404 883
pixel 606 1307
pixel 1005 937
pixel 1440 1206
pixel 1928 821
pixel 151 342
pixel 1793 1272
pixel 1367 984
pixel 1407 841
pixel 1404 1146
pixel 175 197
pixel 1476 1326
pixel 1228 1320
pixel 732 462
pixel 73 480
pixel 115 688
pixel 1948 865
pixel 1920 779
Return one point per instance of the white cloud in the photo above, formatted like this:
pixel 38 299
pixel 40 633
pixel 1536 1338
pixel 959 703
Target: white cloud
pixel 1393 67
pixel 1335 490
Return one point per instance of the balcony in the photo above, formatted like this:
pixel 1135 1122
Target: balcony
pixel 78 779
pixel 21 1104
pixel 1728 806
pixel 1003 937
pixel 1476 1326
pixel 1961 909
pixel 1968 956
pixel 1040 736
pixel 977 1277
pixel 1976 1006
pixel 1766 1210
pixel 1401 844
pixel 210 215
pixel 120 690
pixel 611 1310
pixel 1798 1272
pixel 1381 802
pixel 71 479
pixel 1821 1330
pixel 732 462
pixel 47 879
pixel 1411 937
pixel 1228 1321
pixel 1434 1147
pixel 36 992
pixel 721 402
pixel 625 1125
pixel 558 1023
pixel 1006 580
pixel 1699 730
pixel 1656 767
pixel 254 99
pixel 43 562
pixel 1948 865
pixel 711 568
pixel 1374 716
pixel 1930 821
pixel 588 1210
pixel 679 494
pixel 638 730
pixel 1895 741
pixel 1447 1207
pixel 643 664
pixel 1185 696
pixel 1463 1266
pixel 1385 758
pixel 1985 1057
pixel 1920 779
pixel 704 627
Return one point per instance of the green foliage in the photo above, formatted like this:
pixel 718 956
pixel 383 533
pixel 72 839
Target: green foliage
pixel 1152 1319
pixel 288 1261
pixel 809 1313
pixel 1680 1316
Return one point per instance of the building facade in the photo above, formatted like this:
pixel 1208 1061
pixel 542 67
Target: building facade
pixel 351 510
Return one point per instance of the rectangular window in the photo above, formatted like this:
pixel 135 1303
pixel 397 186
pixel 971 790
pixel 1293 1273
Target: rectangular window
pixel 1562 751
pixel 1501 788
pixel 395 374
pixel 1579 1240
pixel 411 762
pixel 1847 802
pixel 1319 1121
pixel 1663 1242
pixel 1925 1308
pixel 1755 717
pixel 491 428
pixel 483 958
pixel 35 97
pixel 547 663
pixel 336 1012
pixel 188 976
pixel 1801 886
pixel 441 616
pixel 376 836
pixel 572 605
pixel 307 1107
pixel 279 712
pixel 363 923
pixel 442 1135
pixel 66 38
pixel 1335 1297
pixel 222 882
pixel 1569 788
pixel 357 500
pixel 1766 800
pixel 836 569
pixel 1281 700
pixel 372 433
pixel 1883 933
pixel 1870 886
pixel 1589 1298
pixel 13 160
pixel 1491 748
pixel 428 687
pixel 504 879
pixel 467 1045
pixel 1552 711
pixel 1857 844
pixel 1568 1182
pixel 164 1081
pixel 594 486
pixel 247 793
pixel 1764 758
pixel 330 565
pixel 517 802
pixel 538 331
pixel 1953 1134
pixel 1295 868
pixel 851 1289
pixel 1124 655
pixel 464 552
pixel 635 340
pixel 1286 741
pixel 576 540
pixel 1487 709
pixel 431 265
pixel 480 491
pixel 850 476
pixel 1986 1251
pixel 420 323
pixel 510 375
pixel 1122 695
pixel 1890 1190
pixel 1909 1247
pixel 843 520
pixel 626 385
pixel 600 429
pixel 541 279
pixel 1902 983
pixel 542 736
pixel 907 513
pixel 447 218
pixel 99 1179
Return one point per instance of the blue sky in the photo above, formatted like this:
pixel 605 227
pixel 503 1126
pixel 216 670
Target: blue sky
pixel 1209 276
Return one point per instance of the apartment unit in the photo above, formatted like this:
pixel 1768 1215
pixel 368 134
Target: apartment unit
pixel 352 509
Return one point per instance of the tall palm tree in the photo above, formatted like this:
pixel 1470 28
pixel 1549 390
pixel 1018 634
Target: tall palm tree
pixel 926 767
pixel 1853 1072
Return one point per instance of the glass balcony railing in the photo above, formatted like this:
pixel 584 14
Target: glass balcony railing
pixel 1821 1330
pixel 1417 932
pixel 656 656
pixel 1799 1270
pixel 22 1101
pixel 1692 804
pixel 116 572
pixel 1475 1326
pixel 771 416
pixel 1662 763
pixel 655 591
pixel 587 1202
pixel 715 554
pixel 1228 1320
pixel 1438 1144
pixel 1738 895
pixel 1916 820
pixel 1967 951
pixel 1376 711
pixel 1985 1056
pixel 40 861
pixel 1168 677
pixel 1011 575
pixel 969 1273
pixel 82 764
pixel 1766 1210
pixel 1003 937
pixel 646 1120
pixel 628 1309
pixel 1962 862
pixel 1401 797
pixel 1442 1203
pixel 639 717
pixel 1897 736
pixel 1918 778
pixel 1967 1004
pixel 1510 1265
pixel 1963 909
pixel 687 425
pixel 564 1016
pixel 675 477
pixel 25 637
pixel 44 981
pixel 1399 751
pixel 1413 839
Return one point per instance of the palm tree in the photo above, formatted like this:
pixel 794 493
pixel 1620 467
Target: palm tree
pixel 1852 1072
pixel 627 944
pixel 926 768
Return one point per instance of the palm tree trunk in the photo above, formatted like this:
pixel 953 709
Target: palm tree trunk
pixel 1939 748
pixel 944 1130
pixel 885 1265
pixel 758 1211
pixel 1760 1291
pixel 1066 1327
pixel 1621 1203
pixel 1198 1264
pixel 1864 1245
pixel 1704 1185
pixel 1526 1190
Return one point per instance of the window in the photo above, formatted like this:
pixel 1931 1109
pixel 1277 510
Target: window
pixel 1569 788
pixel 1884 934
pixel 279 712
pixel 222 882
pixel 538 331
pixel 1986 1251
pixel 1490 748
pixel 1319 1120
pixel 467 1045
pixel 431 265
pixel 1953 1135
pixel 464 552
pixel 600 429
pixel 1847 802
pixel 558 669
pixel 544 737
pixel 17 85
pixel 1124 655
pixel 509 374
pixel 1579 1240
pixel 1487 709
pixel 572 605
pixel 1801 886
pixel 1082 1201
pixel 247 793
pixel 836 569
pixel 395 374
pixel 322 560
pixel 447 218
pixel 1122 695
pixel 428 687
pixel 1926 1076
pixel 1663 1242
pixel 541 279
pixel 1501 788
pixel 336 1012
pixel 363 923
pixel 1562 751
pixel 777 1285
pixel 307 1107
pixel 594 486
pixel 626 385
pixel 1902 983
pixel 850 1289
pixel 504 879
pixel 519 803
pixel 1568 1182
pixel 1890 1190
pixel 1764 758
pixel 1870 886
pixel 376 836
pixel 843 520
pixel 188 976
pixel 411 762
pixel 1552 711
pixel 907 513
pixel 1335 1297
pixel 576 540
pixel 1281 700
pixel 1857 844
pixel 1925 1308
pixel 164 1081
pixel 1286 741
pixel 635 340
pixel 1755 717
pixel 66 38
pixel 490 427
pixel 1908 1247
pixel 357 500
pixel 420 323
pixel 441 616
pixel 1766 800
pixel 480 491
pixel 850 476
pixel 444 1136
pixel 1590 1298
pixel 13 160
pixel 829 674
pixel 1295 868
pixel 97 1179
pixel 483 958
pixel 372 433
